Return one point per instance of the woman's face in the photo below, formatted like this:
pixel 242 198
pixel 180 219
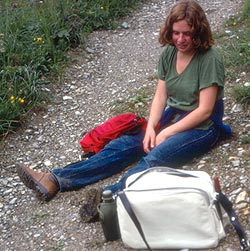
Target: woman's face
pixel 182 37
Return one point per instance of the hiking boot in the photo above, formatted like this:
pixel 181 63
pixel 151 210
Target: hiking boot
pixel 88 212
pixel 45 185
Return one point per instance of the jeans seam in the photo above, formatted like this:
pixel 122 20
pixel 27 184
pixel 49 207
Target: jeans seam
pixel 183 146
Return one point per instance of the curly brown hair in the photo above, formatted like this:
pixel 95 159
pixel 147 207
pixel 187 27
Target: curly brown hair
pixel 192 12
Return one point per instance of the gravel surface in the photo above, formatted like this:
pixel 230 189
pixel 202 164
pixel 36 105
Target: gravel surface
pixel 114 64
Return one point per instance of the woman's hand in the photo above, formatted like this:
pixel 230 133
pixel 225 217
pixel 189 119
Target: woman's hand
pixel 164 134
pixel 149 140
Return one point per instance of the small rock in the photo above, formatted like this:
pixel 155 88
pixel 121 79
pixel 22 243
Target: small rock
pixel 67 98
pixel 236 108
pixel 7 192
pixel 242 197
pixel 237 191
pixel 125 25
pixel 13 201
pixel 236 163
pixel 89 50
pixel 47 163
pixel 78 113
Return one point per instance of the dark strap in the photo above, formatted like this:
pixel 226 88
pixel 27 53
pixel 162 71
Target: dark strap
pixel 132 215
pixel 227 205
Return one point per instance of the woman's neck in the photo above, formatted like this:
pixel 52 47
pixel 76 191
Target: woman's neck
pixel 186 55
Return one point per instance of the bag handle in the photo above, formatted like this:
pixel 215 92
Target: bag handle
pixel 168 170
pixel 132 215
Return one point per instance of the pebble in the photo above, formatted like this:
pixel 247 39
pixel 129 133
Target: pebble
pixel 13 201
pixel 125 25
pixel 236 163
pixel 236 108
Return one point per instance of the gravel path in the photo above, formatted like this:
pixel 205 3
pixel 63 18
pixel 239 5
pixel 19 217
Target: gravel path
pixel 115 64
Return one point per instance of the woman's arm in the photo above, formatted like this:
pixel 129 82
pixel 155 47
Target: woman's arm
pixel 207 99
pixel 157 107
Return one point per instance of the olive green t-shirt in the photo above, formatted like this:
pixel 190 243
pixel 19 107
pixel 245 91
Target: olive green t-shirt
pixel 204 70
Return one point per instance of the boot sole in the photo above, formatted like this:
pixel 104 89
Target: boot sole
pixel 28 181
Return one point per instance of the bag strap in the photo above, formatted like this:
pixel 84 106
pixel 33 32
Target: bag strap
pixel 228 207
pixel 168 170
pixel 132 215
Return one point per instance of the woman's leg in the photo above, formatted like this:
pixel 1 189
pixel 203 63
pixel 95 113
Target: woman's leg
pixel 173 152
pixel 115 156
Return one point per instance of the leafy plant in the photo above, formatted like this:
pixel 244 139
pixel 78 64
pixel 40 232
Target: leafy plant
pixel 245 139
pixel 235 48
pixel 59 246
pixel 34 39
pixel 242 95
pixel 136 103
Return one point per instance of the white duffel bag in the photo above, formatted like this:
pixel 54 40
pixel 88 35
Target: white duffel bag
pixel 165 208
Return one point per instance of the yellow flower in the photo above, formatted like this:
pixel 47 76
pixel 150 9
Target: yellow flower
pixel 102 8
pixel 234 23
pixel 12 99
pixel 21 101
pixel 38 39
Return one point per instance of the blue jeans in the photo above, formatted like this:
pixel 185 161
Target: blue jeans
pixel 128 149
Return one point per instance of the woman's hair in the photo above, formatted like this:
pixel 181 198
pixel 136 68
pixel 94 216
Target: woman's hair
pixel 192 12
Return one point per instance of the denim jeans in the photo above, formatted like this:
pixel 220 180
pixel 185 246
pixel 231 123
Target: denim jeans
pixel 128 149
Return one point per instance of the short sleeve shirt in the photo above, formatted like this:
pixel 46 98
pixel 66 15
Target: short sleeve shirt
pixel 204 70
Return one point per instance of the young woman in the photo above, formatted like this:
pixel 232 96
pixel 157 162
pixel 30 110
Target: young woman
pixel 190 84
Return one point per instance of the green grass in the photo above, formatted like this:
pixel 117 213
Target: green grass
pixel 235 48
pixel 34 39
pixel 137 103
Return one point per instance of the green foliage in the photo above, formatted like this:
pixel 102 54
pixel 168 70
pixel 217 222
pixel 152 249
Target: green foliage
pixel 235 43
pixel 37 216
pixel 242 95
pixel 235 47
pixel 59 246
pixel 245 139
pixel 136 103
pixel 246 10
pixel 103 13
pixel 34 39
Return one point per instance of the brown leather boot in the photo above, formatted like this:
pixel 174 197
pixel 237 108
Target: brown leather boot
pixel 45 185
